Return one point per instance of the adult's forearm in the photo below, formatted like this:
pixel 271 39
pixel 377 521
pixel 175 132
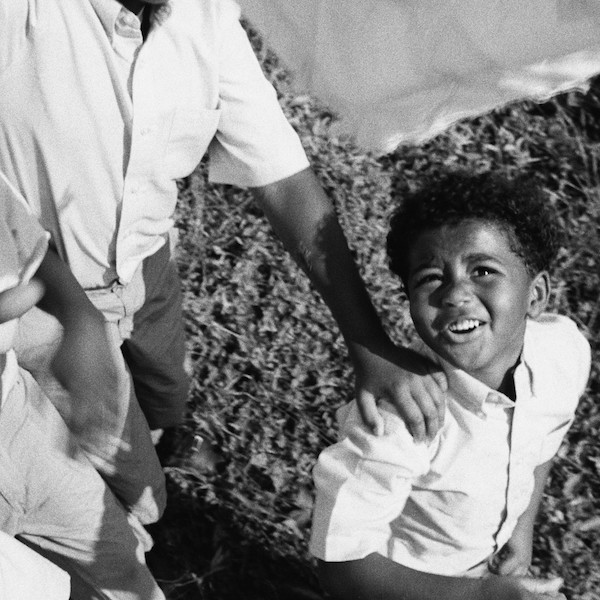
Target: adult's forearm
pixel 304 219
pixel 64 297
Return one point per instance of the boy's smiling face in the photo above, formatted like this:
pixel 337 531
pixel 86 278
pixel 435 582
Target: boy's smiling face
pixel 470 295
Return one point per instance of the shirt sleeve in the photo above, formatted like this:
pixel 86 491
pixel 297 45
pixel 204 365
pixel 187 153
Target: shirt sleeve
pixel 362 484
pixel 254 144
pixel 16 20
pixel 24 241
pixel 574 354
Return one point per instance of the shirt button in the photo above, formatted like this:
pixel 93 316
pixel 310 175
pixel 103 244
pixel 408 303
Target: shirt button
pixel 145 131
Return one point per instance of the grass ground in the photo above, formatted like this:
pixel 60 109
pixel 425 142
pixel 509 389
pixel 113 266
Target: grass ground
pixel 270 367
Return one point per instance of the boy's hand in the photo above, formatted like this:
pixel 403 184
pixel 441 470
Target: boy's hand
pixel 514 558
pixel 541 589
pixel 521 588
pixel 18 300
pixel 404 379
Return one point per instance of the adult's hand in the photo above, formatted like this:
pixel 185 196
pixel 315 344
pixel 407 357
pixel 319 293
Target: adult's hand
pixel 407 381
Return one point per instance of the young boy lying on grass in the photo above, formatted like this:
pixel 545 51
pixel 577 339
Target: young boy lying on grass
pixel 51 497
pixel 454 518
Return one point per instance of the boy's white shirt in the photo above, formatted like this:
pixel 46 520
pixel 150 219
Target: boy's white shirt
pixel 447 506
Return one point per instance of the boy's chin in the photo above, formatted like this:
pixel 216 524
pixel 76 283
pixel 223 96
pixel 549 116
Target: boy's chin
pixel 465 361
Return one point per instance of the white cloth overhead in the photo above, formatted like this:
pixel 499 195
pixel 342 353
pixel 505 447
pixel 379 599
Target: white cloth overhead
pixel 403 70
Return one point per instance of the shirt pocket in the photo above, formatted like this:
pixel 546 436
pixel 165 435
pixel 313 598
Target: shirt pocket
pixel 192 130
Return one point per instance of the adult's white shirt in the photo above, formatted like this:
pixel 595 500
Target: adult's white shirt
pixel 25 575
pixel 95 127
pixel 445 507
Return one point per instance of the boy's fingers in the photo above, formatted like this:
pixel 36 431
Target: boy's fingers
pixel 367 407
pixel 542 586
pixel 18 300
pixel 511 565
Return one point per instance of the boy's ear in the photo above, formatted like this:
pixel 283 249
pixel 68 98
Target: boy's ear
pixel 539 292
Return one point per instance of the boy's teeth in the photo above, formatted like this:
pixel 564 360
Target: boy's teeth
pixel 465 325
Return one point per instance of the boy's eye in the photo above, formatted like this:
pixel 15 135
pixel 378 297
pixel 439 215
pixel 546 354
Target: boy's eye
pixel 482 271
pixel 426 278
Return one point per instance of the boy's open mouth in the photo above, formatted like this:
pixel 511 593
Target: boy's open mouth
pixel 464 325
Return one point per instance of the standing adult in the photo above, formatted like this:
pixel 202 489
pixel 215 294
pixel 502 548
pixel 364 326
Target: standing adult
pixel 104 104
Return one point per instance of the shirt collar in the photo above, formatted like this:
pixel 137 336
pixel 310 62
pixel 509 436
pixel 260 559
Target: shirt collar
pixel 473 394
pixel 108 12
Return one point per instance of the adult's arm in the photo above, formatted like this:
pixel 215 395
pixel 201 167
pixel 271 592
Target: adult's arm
pixel 304 219
pixel 84 363
pixel 376 577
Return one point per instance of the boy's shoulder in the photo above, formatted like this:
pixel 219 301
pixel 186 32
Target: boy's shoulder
pixel 558 351
pixel 553 333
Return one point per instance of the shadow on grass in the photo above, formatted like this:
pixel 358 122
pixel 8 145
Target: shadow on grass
pixel 198 555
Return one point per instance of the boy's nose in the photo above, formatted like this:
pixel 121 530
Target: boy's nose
pixel 456 294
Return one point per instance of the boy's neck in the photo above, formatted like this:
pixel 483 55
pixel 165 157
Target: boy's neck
pixel 507 387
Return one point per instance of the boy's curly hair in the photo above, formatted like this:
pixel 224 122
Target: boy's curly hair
pixel 515 205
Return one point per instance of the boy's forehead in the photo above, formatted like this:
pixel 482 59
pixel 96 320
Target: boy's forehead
pixel 466 237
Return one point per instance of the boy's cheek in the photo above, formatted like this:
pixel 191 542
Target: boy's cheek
pixel 422 320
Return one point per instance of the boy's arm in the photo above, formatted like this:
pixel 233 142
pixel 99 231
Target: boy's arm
pixel 362 484
pixel 378 577
pixel 304 219
pixel 514 558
